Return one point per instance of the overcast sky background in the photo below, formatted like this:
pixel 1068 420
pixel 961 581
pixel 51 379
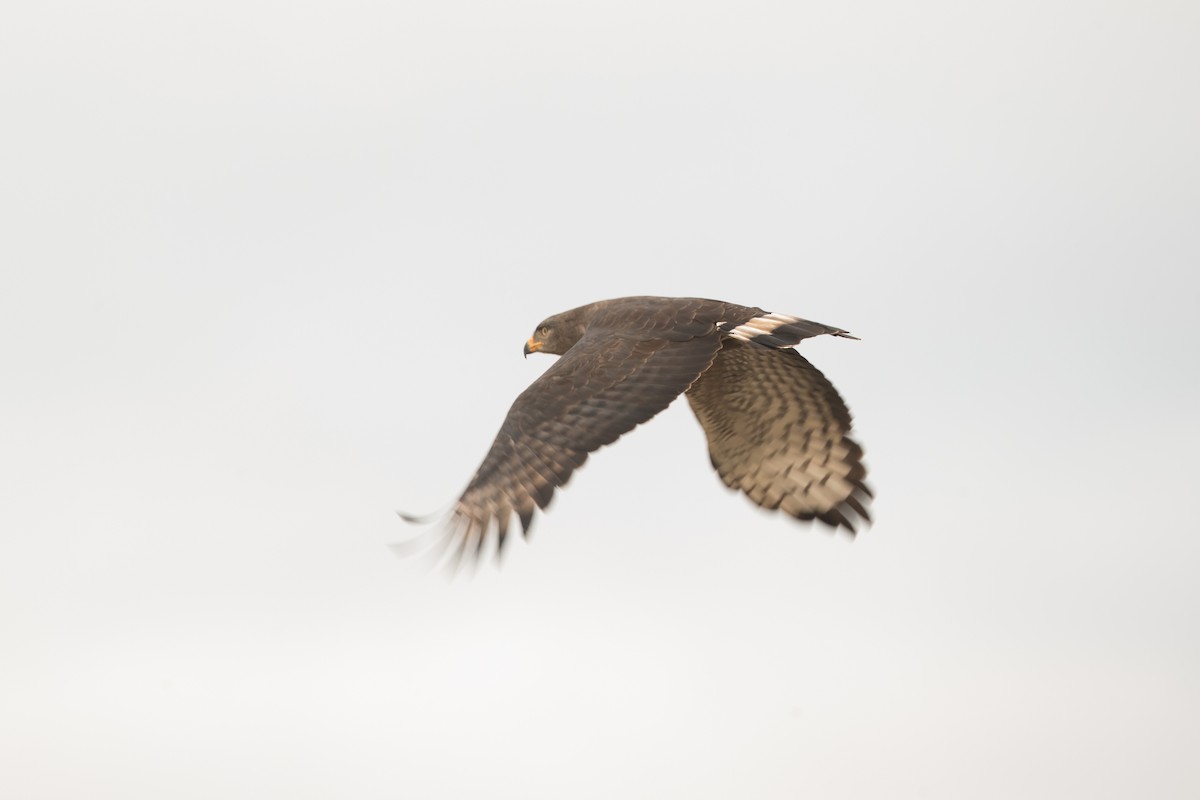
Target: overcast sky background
pixel 267 271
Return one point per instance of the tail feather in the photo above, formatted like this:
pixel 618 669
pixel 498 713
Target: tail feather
pixel 779 330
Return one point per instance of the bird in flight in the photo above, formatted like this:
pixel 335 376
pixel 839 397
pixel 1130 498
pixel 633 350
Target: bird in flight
pixel 777 429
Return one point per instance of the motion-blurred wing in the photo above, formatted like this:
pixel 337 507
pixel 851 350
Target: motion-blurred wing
pixel 601 388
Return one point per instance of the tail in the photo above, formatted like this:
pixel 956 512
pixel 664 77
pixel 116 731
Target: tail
pixel 779 330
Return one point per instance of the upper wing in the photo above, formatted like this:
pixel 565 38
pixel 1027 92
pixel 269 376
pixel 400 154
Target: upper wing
pixel 602 387
pixel 778 431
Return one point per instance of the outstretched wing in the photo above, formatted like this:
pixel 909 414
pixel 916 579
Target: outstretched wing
pixel 604 386
pixel 778 431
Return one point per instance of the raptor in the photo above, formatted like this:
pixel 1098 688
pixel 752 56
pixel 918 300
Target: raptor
pixel 777 429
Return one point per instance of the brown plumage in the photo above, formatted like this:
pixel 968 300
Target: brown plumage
pixel 777 429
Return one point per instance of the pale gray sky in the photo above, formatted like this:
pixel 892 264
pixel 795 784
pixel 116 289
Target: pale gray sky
pixel 267 272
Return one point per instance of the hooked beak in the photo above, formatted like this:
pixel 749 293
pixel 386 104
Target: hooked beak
pixel 532 346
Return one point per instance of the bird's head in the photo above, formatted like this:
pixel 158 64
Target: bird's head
pixel 556 335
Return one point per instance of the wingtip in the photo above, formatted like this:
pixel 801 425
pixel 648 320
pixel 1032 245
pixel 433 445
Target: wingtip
pixel 416 519
pixel 405 550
